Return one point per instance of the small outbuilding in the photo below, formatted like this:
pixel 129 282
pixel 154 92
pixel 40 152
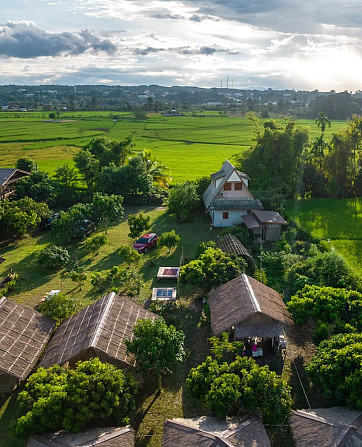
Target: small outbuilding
pixel 23 336
pixel 266 224
pixel 211 432
pixel 8 178
pixel 103 437
pixel 248 309
pixel 99 330
pixel 230 244
pixel 326 427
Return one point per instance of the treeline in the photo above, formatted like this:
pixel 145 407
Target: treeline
pixel 285 163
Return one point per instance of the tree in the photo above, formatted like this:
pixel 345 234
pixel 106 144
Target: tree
pixel 140 115
pixel 211 269
pixel 26 164
pixel 125 281
pixel 156 347
pixel 53 257
pixel 169 240
pixel 322 122
pixel 58 398
pixel 274 160
pixel 94 244
pixel 336 369
pixel 89 166
pixel 69 223
pixel 183 200
pixel 77 275
pixel 59 307
pixel 138 223
pixel 240 387
pixel 21 215
pixel 107 208
pixel 37 186
pixel 157 170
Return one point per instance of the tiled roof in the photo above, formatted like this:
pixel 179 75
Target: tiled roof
pixel 246 204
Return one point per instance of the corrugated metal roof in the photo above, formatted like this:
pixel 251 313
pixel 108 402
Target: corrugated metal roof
pixel 246 204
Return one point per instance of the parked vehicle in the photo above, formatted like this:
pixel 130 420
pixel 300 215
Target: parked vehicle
pixel 46 222
pixel 145 242
pixel 87 227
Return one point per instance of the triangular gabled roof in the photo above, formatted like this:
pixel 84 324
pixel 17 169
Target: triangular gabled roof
pixel 241 299
pixel 7 173
pixel 224 174
pixel 186 433
pixel 23 336
pixel 99 329
pixel 311 430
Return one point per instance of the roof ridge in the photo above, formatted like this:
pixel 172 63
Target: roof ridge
pixel 253 298
pixel 99 326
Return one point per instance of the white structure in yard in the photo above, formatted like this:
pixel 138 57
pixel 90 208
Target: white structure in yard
pixel 228 198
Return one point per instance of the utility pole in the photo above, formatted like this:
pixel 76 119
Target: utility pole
pixel 221 83
pixel 227 82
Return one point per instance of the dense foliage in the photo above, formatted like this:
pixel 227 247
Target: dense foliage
pixel 169 240
pixel 58 398
pixel 138 223
pixel 212 268
pixel 183 200
pixel 59 307
pixel 125 281
pixel 53 257
pixel 337 369
pixel 94 244
pixel 21 215
pixel 240 387
pixel 328 304
pixel 156 346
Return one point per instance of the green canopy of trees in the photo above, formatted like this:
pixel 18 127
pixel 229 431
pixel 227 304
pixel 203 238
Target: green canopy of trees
pixel 58 398
pixel 183 200
pixel 336 369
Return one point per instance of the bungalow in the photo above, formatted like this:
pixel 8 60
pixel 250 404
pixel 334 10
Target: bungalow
pixel 8 178
pixel 266 224
pixel 102 437
pixel 326 427
pixel 212 432
pixel 99 330
pixel 23 336
pixel 228 198
pixel 249 310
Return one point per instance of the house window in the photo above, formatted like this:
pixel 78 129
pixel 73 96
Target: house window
pixel 238 186
pixel 227 186
pixel 225 215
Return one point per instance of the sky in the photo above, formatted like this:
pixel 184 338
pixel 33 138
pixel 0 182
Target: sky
pixel 279 44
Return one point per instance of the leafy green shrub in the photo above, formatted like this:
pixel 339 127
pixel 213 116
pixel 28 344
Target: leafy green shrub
pixel 53 257
pixel 240 387
pixel 169 240
pixel 58 398
pixel 321 333
pixel 203 246
pixel 183 200
pixel 94 244
pixel 138 223
pixel 212 268
pixel 59 307
pixel 129 255
pixel 124 281
pixel 336 369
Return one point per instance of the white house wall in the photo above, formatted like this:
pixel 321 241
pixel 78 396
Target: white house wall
pixel 234 218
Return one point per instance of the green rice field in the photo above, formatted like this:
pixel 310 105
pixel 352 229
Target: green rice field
pixel 191 146
pixel 339 221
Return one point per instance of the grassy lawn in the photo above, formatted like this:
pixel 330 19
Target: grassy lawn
pixel 339 220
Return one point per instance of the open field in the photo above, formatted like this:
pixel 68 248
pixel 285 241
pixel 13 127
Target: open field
pixel 339 221
pixel 191 146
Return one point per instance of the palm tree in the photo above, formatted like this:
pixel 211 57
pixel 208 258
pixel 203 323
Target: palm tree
pixel 322 121
pixel 157 170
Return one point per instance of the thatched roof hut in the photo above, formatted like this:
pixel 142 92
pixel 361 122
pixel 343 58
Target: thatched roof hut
pixel 311 430
pixel 23 336
pixel 104 437
pixel 249 433
pixel 98 330
pixel 252 308
pixel 231 244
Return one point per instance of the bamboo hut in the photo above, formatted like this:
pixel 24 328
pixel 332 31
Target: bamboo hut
pixel 248 309
pixel 23 336
pixel 311 430
pixel 230 244
pixel 249 433
pixel 8 178
pixel 102 437
pixel 99 330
